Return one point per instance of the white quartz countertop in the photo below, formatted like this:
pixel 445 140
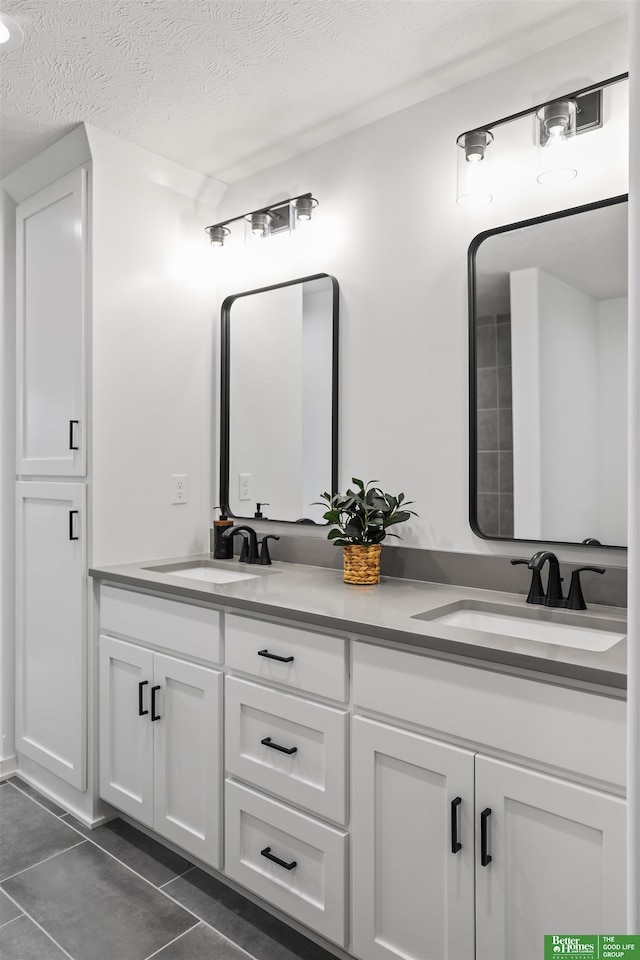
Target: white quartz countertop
pixel 318 597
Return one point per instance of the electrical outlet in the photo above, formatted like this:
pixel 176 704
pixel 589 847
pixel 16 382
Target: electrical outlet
pixel 179 487
pixel 244 480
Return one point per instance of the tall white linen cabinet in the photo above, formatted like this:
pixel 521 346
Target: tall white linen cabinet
pixel 114 333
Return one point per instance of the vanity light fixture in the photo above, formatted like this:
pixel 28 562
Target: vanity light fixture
pixel 474 188
pixel 10 34
pixel 557 123
pixel 278 218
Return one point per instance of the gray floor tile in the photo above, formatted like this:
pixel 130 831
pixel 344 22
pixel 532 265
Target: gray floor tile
pixel 36 795
pixel 201 943
pixel 23 940
pixel 28 834
pixel 144 855
pixel 96 908
pixel 8 910
pixel 252 928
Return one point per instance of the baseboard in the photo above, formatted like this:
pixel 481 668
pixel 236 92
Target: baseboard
pixel 102 812
pixel 8 767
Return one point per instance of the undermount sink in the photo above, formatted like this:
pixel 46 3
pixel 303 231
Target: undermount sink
pixel 204 570
pixel 564 628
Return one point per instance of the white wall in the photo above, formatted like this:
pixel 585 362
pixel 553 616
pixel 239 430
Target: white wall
pixel 153 319
pixel 7 482
pixel 389 229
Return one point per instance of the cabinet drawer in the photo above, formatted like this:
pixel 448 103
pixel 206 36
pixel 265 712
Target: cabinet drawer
pixel 183 628
pixel 314 890
pixel 573 730
pixel 313 775
pixel 318 662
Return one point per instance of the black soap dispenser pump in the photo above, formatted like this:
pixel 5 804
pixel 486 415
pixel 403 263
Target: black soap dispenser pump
pixel 221 547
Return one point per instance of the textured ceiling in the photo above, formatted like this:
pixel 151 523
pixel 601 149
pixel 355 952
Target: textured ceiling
pixel 228 88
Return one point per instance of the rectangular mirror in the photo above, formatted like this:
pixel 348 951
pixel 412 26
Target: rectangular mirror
pixel 548 377
pixel 279 399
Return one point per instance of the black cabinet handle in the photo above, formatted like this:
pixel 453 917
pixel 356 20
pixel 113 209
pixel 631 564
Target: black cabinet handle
pixel 485 857
pixel 154 715
pixel 274 656
pixel 72 423
pixel 276 746
pixel 142 684
pixel 72 514
pixel 455 843
pixel 281 863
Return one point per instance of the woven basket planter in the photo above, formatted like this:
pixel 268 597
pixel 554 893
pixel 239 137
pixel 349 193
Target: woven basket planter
pixel 362 563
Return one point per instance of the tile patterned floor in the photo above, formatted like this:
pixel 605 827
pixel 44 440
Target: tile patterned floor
pixel 115 894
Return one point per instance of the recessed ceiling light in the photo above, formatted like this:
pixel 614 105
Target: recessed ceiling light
pixel 10 34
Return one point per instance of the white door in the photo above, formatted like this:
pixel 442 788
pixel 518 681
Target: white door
pixel 50 627
pixel 557 861
pixel 126 730
pixel 51 308
pixel 187 726
pixel 412 846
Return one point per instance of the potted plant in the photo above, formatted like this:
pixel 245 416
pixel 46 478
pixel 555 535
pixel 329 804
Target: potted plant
pixel 362 517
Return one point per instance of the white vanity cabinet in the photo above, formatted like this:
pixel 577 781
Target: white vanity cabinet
pixel 50 625
pixel 160 720
pixel 286 763
pixel 548 853
pixel 51 328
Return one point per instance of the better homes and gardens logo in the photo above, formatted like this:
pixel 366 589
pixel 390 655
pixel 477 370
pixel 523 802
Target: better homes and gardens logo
pixel 592 948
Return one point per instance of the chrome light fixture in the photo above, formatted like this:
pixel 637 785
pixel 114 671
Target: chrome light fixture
pixel 217 235
pixel 278 218
pixel 474 173
pixel 556 123
pixel 260 224
pixel 305 206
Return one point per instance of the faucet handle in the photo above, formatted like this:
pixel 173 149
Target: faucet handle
pixel 575 599
pixel 536 590
pixel 264 548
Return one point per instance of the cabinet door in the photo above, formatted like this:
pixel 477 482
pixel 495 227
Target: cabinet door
pixel 126 730
pixel 51 306
pixel 188 756
pixel 50 627
pixel 413 896
pixel 557 861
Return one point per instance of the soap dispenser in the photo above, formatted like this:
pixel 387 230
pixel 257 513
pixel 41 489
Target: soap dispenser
pixel 221 548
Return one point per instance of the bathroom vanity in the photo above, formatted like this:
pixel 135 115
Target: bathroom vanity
pixel 399 785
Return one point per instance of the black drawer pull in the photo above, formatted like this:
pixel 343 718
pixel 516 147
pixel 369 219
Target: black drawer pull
pixel 274 656
pixel 455 843
pixel 276 746
pixel 72 424
pixel 281 863
pixel 485 857
pixel 72 514
pixel 154 715
pixel 142 684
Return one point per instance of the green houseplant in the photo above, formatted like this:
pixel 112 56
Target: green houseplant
pixel 362 517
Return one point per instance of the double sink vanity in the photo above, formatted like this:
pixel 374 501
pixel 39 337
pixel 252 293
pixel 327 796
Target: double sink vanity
pixel 405 770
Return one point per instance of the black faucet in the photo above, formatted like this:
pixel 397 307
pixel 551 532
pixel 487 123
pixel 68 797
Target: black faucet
pixel 554 596
pixel 249 551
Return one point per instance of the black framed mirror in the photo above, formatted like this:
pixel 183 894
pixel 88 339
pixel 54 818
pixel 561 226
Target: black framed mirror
pixel 279 399
pixel 548 377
